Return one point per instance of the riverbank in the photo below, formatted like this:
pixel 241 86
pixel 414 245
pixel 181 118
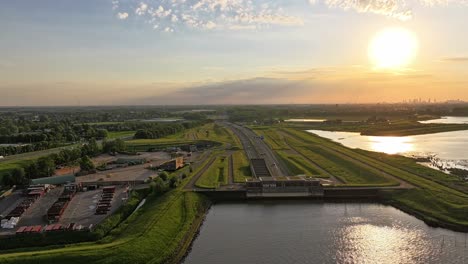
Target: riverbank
pixel 279 232
pixel 393 128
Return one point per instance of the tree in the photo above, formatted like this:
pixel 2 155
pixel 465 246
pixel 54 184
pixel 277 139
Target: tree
pixel 164 176
pixel 173 181
pixel 102 133
pixel 113 146
pixel 158 186
pixel 18 176
pixel 90 149
pixel 86 164
pixel 7 179
pixel 45 167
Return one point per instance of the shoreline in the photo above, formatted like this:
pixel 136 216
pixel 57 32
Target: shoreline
pixel 194 233
pixel 186 245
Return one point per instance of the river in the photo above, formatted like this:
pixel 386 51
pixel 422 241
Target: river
pixel 449 148
pixel 448 120
pixel 314 232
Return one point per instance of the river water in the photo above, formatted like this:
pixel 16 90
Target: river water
pixel 314 232
pixel 449 149
pixel 448 120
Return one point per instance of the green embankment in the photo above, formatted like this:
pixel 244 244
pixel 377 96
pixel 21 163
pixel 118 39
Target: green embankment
pixel 216 175
pixel 409 165
pixel 241 166
pixel 397 127
pixel 120 134
pixel 349 171
pixel 437 203
pixel 298 165
pixel 271 137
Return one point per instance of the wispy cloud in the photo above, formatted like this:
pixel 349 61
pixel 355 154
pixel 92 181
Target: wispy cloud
pixel 399 9
pixel 392 8
pixel 251 15
pixel 208 14
pixel 122 16
pixel 455 59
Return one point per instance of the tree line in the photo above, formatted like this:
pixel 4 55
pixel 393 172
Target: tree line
pixel 154 131
pixel 46 166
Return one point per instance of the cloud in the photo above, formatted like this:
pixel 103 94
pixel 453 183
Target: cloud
pixel 392 8
pixel 255 14
pixel 399 9
pixel 210 14
pixel 455 59
pixel 141 9
pixel 115 4
pixel 122 16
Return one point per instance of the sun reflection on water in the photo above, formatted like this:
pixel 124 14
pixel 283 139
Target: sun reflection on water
pixel 367 243
pixel 391 145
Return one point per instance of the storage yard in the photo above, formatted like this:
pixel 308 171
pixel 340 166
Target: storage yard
pixel 81 205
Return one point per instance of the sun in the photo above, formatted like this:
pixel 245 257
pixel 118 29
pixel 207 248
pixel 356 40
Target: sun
pixel 393 48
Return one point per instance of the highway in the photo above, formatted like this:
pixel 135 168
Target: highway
pixel 255 147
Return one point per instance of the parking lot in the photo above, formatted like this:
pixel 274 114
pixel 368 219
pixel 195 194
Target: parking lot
pixel 35 215
pixel 10 202
pixel 82 208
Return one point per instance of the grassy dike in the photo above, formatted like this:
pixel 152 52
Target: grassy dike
pixel 435 203
pixel 399 127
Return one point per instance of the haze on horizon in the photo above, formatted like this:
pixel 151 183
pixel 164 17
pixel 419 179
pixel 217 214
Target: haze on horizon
pixel 115 52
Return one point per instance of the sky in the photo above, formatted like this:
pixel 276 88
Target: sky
pixel 159 52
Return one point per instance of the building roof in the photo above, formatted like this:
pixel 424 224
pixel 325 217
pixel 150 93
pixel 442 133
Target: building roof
pixel 55 179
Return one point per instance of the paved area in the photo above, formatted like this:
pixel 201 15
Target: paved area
pixel 10 202
pixel 35 215
pixel 131 173
pixel 83 206
pixel 257 148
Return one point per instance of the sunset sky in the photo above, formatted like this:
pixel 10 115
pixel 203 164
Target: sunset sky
pixel 101 52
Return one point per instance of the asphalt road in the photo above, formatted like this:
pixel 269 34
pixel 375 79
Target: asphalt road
pixel 255 147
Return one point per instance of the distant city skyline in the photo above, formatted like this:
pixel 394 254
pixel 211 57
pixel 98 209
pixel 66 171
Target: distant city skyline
pixel 114 52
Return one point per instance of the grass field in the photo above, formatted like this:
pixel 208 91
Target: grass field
pixel 213 132
pixel 398 127
pixel 120 134
pixel 433 201
pixel 22 160
pixel 216 175
pixel 15 161
pixel 352 173
pixel 298 165
pixel 241 166
pixel 271 137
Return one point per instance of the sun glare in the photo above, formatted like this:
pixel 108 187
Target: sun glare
pixel 393 48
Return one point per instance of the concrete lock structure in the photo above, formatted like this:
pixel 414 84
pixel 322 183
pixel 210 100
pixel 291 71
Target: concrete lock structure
pixel 287 186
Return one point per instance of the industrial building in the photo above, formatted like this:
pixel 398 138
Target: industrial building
pixel 173 164
pixel 290 186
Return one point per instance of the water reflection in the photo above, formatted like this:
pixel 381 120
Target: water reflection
pixel 391 145
pixel 368 243
pixel 304 232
